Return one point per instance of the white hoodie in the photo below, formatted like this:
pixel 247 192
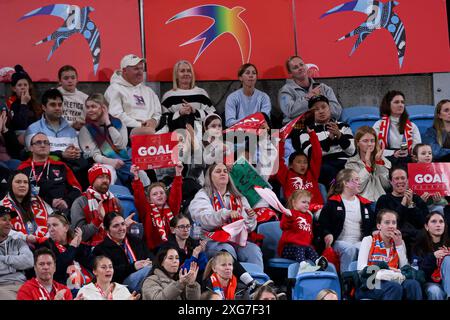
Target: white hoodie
pixel 132 104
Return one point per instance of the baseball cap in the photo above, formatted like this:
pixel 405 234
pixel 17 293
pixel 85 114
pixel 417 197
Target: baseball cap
pixel 130 60
pixel 4 211
pixel 315 99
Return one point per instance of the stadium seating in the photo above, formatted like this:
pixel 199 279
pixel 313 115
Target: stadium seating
pixel 256 272
pixel 422 116
pixel 359 116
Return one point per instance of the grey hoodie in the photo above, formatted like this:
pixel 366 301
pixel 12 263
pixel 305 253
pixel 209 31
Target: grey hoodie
pixel 15 256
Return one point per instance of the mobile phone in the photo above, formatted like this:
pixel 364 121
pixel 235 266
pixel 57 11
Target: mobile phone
pixel 315 85
pixel 404 146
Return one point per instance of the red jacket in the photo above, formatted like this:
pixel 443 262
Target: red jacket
pixel 297 230
pixel 33 290
pixel 291 180
pixel 151 235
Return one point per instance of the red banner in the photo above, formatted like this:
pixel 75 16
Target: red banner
pixel 384 37
pixel 91 35
pixel 429 177
pixel 250 123
pixel 218 37
pixel 154 151
pixel 286 130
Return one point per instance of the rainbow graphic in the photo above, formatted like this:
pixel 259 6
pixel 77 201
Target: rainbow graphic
pixel 225 20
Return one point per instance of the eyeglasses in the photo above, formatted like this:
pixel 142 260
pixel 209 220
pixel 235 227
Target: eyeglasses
pixel 184 226
pixel 41 143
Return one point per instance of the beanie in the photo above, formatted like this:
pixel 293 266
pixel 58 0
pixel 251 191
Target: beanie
pixel 97 170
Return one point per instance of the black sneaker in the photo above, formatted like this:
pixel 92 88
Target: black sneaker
pixel 322 262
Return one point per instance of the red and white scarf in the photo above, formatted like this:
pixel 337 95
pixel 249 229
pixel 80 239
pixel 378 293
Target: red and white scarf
pixel 91 211
pixel 106 295
pixel 161 219
pixel 378 253
pixel 226 293
pixel 40 215
pixel 383 135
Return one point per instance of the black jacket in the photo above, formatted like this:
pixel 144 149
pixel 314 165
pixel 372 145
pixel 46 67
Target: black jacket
pixel 122 266
pixel 332 217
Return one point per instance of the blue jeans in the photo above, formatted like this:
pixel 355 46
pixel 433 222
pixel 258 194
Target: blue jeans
pixel 434 291
pixel 135 280
pixel 250 253
pixel 348 252
pixel 391 290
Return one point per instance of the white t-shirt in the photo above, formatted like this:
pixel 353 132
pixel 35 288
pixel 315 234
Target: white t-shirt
pixel 352 224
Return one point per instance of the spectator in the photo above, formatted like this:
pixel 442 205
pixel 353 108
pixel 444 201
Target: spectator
pixel 104 138
pixel 167 281
pixel 15 257
pixel 23 104
pixel 219 276
pixel 294 96
pixel 410 208
pixel 214 148
pixel 129 255
pixel 438 135
pixel 422 153
pixel 63 138
pixel 31 210
pixel 73 258
pixel 43 287
pixel 130 100
pixel 10 148
pixel 246 100
pixel 346 218
pixel 265 293
pixel 103 288
pixel 73 105
pixel 301 173
pixel 52 180
pixel 432 251
pixel 398 134
pixel 371 165
pixel 209 295
pixel 157 209
pixel 89 210
pixel 185 102
pixel 336 139
pixel 219 204
pixel 327 294
pixel 386 248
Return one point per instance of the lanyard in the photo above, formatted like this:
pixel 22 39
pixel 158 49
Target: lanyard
pixel 221 202
pixel 45 295
pixel 37 179
pixel 108 296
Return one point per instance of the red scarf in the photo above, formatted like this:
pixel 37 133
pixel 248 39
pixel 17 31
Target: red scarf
pixel 91 211
pixel 40 215
pixel 161 220
pixel 106 296
pixel 378 253
pixel 383 135
pixel 226 293
pixel 78 275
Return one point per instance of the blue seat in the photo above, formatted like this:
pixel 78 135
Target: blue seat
pixel 422 116
pixel 256 272
pixel 308 284
pixel 272 234
pixel 323 191
pixel 126 200
pixel 359 116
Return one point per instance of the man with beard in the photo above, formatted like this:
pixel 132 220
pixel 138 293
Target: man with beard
pixel 15 256
pixel 411 209
pixel 90 208
pixel 43 287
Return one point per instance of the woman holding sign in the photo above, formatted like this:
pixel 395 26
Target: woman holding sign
pixel 246 100
pixel 225 217
pixel 105 138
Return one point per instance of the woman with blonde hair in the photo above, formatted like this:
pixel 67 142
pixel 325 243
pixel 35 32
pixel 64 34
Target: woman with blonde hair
pixel 346 218
pixel 370 164
pixel 105 138
pixel 438 135
pixel 219 277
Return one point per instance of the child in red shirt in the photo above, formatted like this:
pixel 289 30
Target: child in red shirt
pixel 296 239
pixel 302 175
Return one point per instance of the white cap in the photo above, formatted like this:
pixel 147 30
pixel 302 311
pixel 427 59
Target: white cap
pixel 130 60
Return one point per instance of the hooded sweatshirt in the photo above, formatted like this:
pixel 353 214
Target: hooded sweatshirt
pixel 73 105
pixel 132 104
pixel 15 256
pixel 33 290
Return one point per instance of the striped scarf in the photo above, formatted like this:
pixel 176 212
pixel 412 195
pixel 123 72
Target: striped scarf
pixel 161 219
pixel 378 253
pixel 226 293
pixel 383 135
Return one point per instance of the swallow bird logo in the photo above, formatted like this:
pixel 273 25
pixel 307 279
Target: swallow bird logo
pixel 379 15
pixel 76 20
pixel 224 20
